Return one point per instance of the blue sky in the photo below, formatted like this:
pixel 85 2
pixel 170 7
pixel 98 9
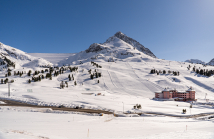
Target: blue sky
pixel 172 30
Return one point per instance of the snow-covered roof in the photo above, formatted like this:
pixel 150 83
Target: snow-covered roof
pixel 190 89
pixel 166 89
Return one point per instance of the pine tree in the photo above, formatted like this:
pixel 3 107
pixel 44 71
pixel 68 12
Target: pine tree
pixel 98 81
pixel 29 81
pixel 75 83
pixel 201 72
pixel 66 83
pixel 29 73
pixel 92 77
pixel 9 73
pixel 197 71
pixel 5 81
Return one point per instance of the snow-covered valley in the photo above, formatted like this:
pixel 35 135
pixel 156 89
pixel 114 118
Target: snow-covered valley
pixel 124 66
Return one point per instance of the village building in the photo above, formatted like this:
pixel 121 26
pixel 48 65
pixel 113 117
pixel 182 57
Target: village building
pixel 173 94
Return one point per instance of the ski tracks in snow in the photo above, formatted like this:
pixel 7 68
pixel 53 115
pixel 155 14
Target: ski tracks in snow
pixel 146 83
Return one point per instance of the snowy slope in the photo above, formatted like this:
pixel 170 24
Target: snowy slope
pixel 11 56
pixel 196 61
pixel 54 58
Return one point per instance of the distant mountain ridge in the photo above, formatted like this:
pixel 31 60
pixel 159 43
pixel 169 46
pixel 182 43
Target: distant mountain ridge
pixel 211 62
pixel 12 57
pixel 54 58
pixel 196 61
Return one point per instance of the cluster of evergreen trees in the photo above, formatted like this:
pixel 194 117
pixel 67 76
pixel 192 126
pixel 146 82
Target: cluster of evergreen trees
pixel 2 63
pixel 73 69
pixel 95 64
pixel 55 70
pixel 69 77
pixel 96 74
pixel 175 73
pixel 137 106
pixel 204 72
pixel 4 81
pixel 62 85
pixel 18 73
pixel 9 63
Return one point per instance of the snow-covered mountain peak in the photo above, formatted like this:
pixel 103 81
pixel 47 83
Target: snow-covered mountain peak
pixel 117 47
pixel 132 42
pixel 119 34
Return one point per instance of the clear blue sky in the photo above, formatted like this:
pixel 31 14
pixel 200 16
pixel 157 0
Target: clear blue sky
pixel 171 29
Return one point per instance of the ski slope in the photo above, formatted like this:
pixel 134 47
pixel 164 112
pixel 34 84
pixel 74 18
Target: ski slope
pixel 121 81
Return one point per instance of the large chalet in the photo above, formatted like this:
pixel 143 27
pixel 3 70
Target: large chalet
pixel 173 94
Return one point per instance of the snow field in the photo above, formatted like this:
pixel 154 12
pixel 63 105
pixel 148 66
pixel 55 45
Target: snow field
pixel 27 123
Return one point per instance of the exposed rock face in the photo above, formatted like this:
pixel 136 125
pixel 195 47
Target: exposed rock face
pixel 95 47
pixel 134 43
pixel 211 62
